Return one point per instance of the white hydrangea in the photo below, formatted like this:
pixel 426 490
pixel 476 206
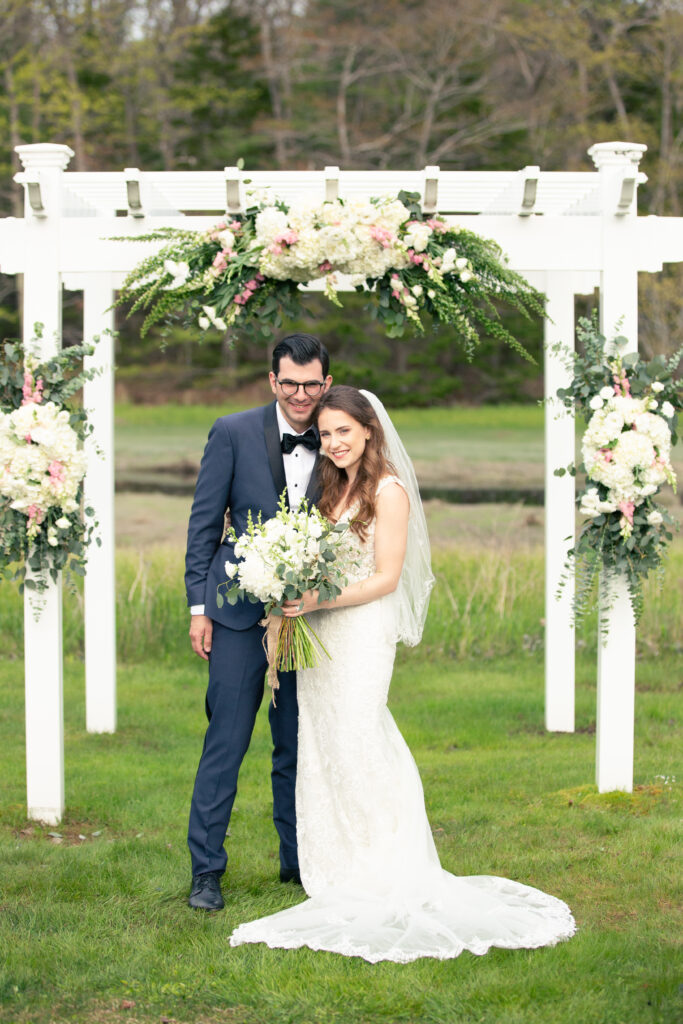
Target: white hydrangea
pixel 270 222
pixel 628 407
pixel 605 425
pixel 42 463
pixel 358 238
pixel 656 429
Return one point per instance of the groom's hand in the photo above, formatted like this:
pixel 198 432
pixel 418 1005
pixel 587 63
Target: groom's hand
pixel 201 632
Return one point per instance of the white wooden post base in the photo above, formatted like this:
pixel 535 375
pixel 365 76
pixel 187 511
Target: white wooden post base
pixel 44 705
pixel 616 688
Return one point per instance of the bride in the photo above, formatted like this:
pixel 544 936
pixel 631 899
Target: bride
pixel 368 862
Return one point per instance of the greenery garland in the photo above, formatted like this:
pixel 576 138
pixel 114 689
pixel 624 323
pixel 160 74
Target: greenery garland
pixel 245 272
pixel 631 409
pixel 43 524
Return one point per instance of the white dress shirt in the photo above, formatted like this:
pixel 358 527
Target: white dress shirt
pixel 298 469
pixel 298 464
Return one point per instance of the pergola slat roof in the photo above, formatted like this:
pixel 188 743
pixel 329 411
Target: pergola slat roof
pixel 174 193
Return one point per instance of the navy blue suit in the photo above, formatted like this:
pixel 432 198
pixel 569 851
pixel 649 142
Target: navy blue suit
pixel 242 470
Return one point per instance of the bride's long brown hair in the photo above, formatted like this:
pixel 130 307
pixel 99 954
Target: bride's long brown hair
pixel 374 463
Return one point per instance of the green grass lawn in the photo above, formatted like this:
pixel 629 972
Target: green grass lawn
pixel 97 918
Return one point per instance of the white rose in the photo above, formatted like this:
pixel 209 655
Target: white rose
pixel 431 293
pixel 667 410
pixel 596 402
pixel 655 518
pixel 230 569
pixel 63 523
pixel 653 404
pixel 448 261
pixel 466 275
pixel 589 502
pixel 417 236
pixel 657 386
pixel 178 271
pixel 417 290
pixel 315 528
pixel 461 263
pixel 204 323
pixel 227 240
pixel 606 392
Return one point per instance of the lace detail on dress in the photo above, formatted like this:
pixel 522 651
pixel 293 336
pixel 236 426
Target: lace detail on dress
pixel 366 852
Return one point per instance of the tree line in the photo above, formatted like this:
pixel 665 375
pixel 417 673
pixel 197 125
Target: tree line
pixel 199 84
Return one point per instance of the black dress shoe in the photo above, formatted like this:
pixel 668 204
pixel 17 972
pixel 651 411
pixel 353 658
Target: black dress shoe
pixel 290 875
pixel 206 892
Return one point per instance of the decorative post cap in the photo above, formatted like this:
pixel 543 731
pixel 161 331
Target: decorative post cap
pixel 606 154
pixel 44 154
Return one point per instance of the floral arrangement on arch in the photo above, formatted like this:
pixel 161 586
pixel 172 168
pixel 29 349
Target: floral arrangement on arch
pixel 246 270
pixel 43 525
pixel 631 408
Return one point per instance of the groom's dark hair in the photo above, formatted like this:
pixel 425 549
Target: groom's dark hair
pixel 301 349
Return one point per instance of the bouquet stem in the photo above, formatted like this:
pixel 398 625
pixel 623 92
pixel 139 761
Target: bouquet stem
pixel 290 644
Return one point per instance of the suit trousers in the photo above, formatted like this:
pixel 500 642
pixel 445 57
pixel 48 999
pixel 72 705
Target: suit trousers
pixel 237 667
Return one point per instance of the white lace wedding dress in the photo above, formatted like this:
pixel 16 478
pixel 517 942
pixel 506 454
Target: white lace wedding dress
pixel 368 861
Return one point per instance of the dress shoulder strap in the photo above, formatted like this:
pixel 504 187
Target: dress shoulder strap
pixel 389 480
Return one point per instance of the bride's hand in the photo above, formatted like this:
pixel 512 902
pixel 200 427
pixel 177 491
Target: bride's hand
pixel 305 604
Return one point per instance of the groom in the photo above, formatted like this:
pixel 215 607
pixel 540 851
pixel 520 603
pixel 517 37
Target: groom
pixel 249 460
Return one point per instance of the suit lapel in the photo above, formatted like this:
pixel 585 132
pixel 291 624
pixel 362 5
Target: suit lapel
pixel 272 433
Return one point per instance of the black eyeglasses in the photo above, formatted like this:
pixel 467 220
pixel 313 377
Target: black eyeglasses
pixel 311 387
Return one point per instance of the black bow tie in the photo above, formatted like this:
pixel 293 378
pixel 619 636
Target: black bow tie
pixel 309 440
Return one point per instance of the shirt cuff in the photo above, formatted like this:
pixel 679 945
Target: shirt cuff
pixel 197 609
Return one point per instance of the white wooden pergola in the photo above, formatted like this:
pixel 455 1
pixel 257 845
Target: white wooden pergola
pixel 568 233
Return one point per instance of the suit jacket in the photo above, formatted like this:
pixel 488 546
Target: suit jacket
pixel 242 469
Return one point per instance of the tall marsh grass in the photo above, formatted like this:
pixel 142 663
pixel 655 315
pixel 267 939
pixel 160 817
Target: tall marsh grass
pixel 486 603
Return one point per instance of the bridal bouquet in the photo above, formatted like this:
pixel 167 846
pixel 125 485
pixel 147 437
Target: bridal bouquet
pixel 280 560
pixel 42 466
pixel 246 270
pixel 631 407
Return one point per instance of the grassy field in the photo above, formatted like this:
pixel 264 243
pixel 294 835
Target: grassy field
pixel 460 447
pixel 93 923
pixel 94 920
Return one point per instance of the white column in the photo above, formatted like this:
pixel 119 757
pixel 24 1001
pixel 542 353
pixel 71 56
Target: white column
pixel 43 632
pixel 100 580
pixel 618 305
pixel 616 689
pixel 559 509
pixel 44 705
